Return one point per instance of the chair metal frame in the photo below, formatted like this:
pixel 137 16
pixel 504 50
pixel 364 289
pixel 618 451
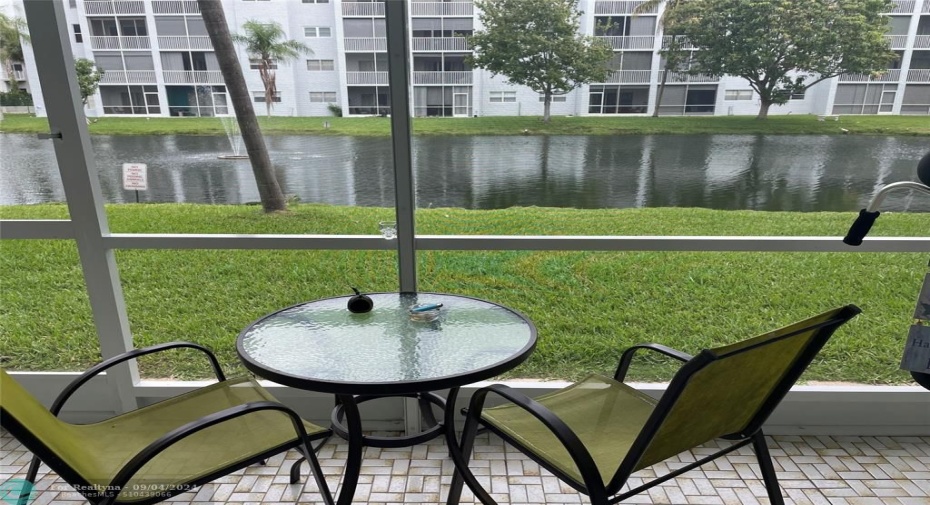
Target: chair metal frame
pixel 601 493
pixel 110 493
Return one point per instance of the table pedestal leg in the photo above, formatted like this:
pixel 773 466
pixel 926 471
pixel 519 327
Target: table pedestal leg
pixel 354 459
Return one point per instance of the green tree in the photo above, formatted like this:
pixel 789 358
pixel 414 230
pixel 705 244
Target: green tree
pixel 535 43
pixel 785 46
pixel 672 50
pixel 266 42
pixel 88 77
pixel 269 191
pixel 13 33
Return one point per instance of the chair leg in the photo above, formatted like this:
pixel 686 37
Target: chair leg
pixel 460 455
pixel 768 469
pixel 317 473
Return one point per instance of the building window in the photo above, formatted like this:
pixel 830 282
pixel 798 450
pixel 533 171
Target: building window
pixel 259 97
pixel 738 94
pixel 78 37
pixel 317 32
pixel 320 65
pixel 322 96
pixel 316 1
pixel 555 98
pixel 503 96
pixel 255 64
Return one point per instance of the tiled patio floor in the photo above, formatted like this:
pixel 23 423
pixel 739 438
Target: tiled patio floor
pixel 812 471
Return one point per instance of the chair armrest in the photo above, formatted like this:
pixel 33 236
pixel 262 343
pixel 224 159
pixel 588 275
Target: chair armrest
pixel 627 357
pixel 182 432
pixel 569 440
pixel 126 356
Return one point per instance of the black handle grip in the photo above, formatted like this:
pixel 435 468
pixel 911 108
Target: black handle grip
pixel 861 227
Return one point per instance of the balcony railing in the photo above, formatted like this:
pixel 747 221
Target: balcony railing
pixel 631 42
pixel 678 77
pixel 442 8
pixel 128 77
pixel 365 44
pixel 629 76
pixel 919 75
pixel 459 77
pixel 364 9
pixel 897 41
pixel 622 7
pixel 371 78
pixel 175 7
pixel 115 7
pixel 922 42
pixel 439 44
pixel 193 77
pixel 682 41
pixel 903 6
pixel 110 43
pixel 887 76
pixel 182 42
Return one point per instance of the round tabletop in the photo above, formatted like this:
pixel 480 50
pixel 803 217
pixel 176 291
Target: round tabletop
pixel 321 346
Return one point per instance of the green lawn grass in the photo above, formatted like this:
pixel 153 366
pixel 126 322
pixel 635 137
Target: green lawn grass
pixel 588 306
pixel 581 125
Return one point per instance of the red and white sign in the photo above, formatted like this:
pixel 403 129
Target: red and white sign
pixel 135 177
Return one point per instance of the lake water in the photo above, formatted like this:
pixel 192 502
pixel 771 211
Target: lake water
pixel 757 172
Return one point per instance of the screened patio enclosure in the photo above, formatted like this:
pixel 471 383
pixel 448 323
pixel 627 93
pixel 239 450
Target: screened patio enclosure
pixel 865 409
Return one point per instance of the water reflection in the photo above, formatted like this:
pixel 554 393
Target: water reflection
pixel 802 173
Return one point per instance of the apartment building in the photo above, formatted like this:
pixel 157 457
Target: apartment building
pixel 158 61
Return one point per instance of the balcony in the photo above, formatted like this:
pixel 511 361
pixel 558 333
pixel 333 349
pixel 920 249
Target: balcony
pixel 621 7
pixel 175 7
pixel 631 42
pixel 362 9
pixel 95 7
pixel 367 78
pixel 128 77
pixel 116 43
pixel 888 76
pixel 629 77
pixel 458 78
pixel 922 42
pixel 193 77
pixel 181 42
pixel 685 43
pixel 442 8
pixel 680 77
pixel 365 44
pixel 897 41
pixel 439 44
pixel 903 6
pixel 921 75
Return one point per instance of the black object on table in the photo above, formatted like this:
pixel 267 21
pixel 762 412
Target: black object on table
pixel 322 346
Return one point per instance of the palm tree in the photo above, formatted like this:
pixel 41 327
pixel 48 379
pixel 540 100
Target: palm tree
pixel 266 42
pixel 13 32
pixel 268 188
pixel 673 53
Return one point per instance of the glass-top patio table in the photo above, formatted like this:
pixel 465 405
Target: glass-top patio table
pixel 322 346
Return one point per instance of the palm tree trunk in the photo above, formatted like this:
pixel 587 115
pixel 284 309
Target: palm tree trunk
pixel 268 189
pixel 660 92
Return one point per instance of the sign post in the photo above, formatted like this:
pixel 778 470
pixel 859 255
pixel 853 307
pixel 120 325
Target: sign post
pixel 135 178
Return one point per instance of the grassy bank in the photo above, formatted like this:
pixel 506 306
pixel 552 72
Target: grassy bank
pixel 587 306
pixel 583 125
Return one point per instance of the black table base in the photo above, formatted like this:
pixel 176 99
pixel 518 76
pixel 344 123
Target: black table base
pixel 426 401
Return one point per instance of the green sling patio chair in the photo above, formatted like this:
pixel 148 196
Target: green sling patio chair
pixel 595 434
pixel 154 452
